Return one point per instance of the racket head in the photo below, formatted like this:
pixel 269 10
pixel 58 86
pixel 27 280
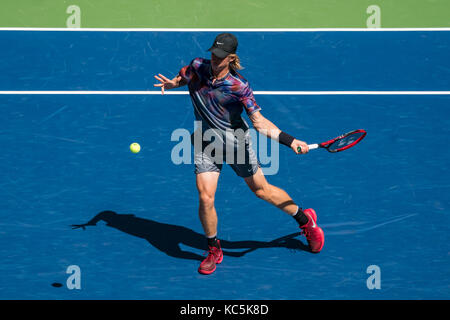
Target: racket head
pixel 345 141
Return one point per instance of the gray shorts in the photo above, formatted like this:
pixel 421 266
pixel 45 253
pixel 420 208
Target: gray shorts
pixel 241 158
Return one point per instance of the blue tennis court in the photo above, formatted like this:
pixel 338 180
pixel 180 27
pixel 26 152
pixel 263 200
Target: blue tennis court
pixel 65 159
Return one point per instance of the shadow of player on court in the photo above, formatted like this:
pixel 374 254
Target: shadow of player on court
pixel 168 237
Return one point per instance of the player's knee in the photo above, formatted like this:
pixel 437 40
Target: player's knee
pixel 206 200
pixel 263 194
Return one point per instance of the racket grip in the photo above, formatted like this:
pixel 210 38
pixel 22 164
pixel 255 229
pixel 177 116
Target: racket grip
pixel 310 146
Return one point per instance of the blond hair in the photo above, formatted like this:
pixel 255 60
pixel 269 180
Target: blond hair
pixel 236 63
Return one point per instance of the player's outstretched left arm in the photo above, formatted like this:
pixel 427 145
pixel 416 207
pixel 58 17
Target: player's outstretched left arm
pixel 267 128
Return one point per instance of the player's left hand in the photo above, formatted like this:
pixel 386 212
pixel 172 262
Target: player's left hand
pixel 298 143
pixel 166 83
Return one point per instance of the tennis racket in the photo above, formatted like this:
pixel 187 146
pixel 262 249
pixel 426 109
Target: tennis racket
pixel 341 143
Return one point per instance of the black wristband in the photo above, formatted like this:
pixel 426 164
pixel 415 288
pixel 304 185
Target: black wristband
pixel 285 139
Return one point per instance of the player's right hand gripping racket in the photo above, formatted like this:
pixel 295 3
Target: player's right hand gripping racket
pixel 341 143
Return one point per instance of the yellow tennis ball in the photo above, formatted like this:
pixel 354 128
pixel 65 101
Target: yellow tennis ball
pixel 135 147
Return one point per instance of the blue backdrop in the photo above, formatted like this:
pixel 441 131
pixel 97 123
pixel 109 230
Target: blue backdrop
pixel 65 158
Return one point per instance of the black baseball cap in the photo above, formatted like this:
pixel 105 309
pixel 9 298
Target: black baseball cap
pixel 224 44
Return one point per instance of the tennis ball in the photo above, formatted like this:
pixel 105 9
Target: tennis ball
pixel 135 147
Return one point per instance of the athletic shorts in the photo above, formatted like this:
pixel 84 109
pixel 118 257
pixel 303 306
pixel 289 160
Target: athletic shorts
pixel 241 158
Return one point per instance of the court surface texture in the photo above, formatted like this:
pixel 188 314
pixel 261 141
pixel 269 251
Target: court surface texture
pixel 65 158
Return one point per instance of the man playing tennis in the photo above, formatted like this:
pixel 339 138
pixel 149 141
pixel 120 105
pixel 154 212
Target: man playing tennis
pixel 219 94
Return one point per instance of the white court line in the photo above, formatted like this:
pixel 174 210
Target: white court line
pixel 80 92
pixel 225 29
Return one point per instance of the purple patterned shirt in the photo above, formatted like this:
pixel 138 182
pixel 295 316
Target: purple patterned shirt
pixel 218 105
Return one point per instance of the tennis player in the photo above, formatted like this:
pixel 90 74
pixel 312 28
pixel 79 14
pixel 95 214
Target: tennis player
pixel 219 94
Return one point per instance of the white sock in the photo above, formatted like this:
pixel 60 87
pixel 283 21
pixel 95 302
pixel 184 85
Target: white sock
pixel 298 209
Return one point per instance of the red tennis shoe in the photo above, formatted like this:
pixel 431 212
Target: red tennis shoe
pixel 314 234
pixel 215 256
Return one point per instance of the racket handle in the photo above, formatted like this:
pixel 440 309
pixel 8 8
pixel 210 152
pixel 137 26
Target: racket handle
pixel 310 146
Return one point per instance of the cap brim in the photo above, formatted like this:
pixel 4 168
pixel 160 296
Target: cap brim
pixel 219 52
